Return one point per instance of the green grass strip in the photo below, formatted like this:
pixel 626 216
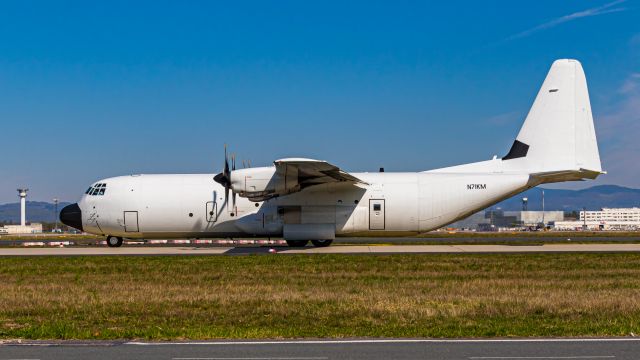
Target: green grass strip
pixel 295 296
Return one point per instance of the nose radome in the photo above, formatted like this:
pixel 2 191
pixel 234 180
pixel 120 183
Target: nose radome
pixel 71 215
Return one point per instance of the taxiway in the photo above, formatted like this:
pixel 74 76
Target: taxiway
pixel 372 349
pixel 336 249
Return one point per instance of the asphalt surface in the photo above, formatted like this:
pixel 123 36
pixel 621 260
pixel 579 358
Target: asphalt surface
pixel 485 239
pixel 621 348
pixel 336 249
pixel 515 240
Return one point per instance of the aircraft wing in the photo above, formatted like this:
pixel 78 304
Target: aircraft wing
pixel 314 172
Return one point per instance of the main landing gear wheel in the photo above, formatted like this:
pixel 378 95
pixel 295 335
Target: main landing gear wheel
pixel 297 243
pixel 114 241
pixel 321 243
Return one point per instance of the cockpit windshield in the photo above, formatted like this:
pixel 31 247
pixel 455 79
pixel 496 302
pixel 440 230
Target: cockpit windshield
pixel 97 189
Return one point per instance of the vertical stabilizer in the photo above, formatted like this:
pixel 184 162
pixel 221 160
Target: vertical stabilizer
pixel 558 134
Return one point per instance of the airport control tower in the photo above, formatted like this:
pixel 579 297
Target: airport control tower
pixel 23 206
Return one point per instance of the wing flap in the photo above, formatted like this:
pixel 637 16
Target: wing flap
pixel 315 172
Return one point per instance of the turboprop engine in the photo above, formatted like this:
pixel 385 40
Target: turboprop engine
pixel 257 184
pixel 262 183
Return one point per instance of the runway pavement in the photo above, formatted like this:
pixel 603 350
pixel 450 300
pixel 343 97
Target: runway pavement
pixel 504 349
pixel 336 249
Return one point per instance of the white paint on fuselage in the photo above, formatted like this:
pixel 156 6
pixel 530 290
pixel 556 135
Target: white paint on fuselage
pixel 413 202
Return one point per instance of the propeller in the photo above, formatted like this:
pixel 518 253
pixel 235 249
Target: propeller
pixel 233 168
pixel 224 178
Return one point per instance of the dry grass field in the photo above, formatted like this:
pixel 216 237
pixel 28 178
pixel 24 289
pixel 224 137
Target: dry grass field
pixel 276 296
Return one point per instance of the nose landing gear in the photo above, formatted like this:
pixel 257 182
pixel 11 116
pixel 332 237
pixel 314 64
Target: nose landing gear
pixel 114 241
pixel 321 243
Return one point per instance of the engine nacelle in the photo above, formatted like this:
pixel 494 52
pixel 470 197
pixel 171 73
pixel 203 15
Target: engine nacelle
pixel 262 183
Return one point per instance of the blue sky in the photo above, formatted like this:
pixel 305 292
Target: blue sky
pixel 96 89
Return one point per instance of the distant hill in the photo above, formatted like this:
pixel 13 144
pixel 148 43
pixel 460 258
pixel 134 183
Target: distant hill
pixel 37 211
pixel 593 198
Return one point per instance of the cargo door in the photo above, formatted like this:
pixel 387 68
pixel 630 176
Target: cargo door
pixel 376 214
pixel 131 221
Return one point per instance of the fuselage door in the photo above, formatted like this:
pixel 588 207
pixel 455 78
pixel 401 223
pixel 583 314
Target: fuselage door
pixel 212 211
pixel 376 214
pixel 131 221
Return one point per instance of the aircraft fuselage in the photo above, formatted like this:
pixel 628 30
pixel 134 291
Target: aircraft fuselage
pixel 193 205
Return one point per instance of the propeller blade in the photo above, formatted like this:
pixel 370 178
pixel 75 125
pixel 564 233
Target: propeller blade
pixel 224 178
pixel 226 162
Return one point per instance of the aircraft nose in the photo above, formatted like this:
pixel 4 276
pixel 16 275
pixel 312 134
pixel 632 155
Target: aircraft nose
pixel 71 215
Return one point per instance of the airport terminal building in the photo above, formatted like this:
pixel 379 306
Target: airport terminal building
pixel 623 219
pixel 498 220
pixel 609 219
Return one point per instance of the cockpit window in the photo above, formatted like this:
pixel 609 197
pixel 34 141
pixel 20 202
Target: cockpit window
pixel 97 189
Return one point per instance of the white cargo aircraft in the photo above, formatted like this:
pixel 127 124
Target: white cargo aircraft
pixel 305 199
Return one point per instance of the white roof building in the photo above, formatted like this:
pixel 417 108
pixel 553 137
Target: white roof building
pixel 33 228
pixel 612 214
pixel 605 219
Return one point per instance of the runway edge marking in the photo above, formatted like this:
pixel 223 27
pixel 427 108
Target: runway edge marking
pixel 377 341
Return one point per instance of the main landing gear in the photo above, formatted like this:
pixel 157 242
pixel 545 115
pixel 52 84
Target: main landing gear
pixel 303 243
pixel 114 241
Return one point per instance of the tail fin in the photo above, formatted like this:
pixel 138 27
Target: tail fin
pixel 557 141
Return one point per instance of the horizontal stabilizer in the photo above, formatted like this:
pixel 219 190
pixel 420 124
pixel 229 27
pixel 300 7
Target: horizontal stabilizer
pixel 558 134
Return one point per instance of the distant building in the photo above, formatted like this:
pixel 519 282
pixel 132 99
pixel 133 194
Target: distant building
pixel 605 219
pixel 33 228
pixel 533 218
pixel 496 220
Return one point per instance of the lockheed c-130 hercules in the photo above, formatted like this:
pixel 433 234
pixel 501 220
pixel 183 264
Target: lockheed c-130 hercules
pixel 306 200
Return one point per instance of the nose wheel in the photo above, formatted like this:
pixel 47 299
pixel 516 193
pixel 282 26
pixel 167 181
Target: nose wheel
pixel 321 243
pixel 114 241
